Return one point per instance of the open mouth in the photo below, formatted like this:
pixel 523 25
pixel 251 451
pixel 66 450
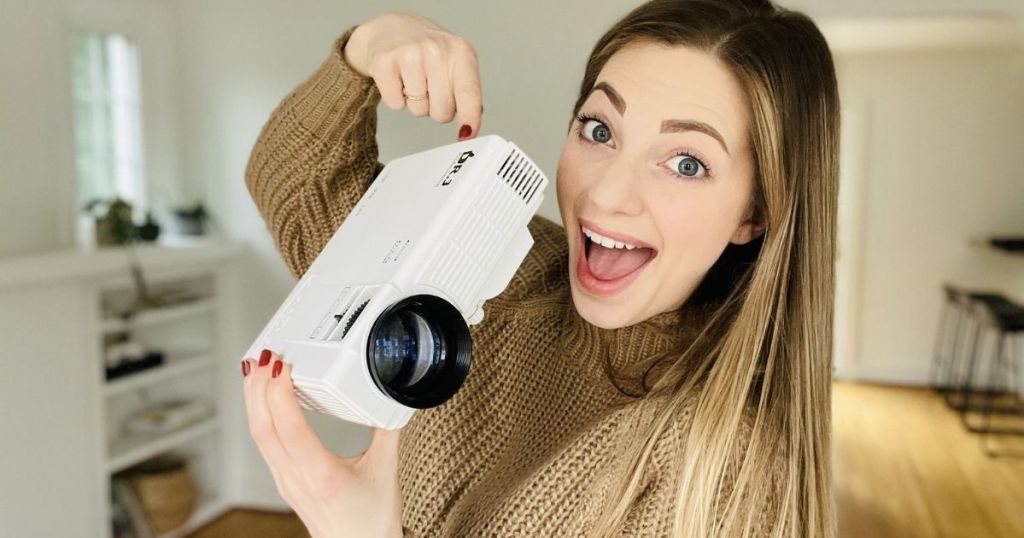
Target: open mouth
pixel 607 265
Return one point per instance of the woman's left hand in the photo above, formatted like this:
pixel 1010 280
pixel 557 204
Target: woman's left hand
pixel 334 496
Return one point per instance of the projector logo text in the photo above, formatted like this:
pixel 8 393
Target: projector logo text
pixel 455 167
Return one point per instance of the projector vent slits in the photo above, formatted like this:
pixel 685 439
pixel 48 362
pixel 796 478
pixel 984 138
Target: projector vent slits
pixel 518 173
pixel 323 402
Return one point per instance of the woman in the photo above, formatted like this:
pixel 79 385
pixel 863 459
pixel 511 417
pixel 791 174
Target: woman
pixel 661 365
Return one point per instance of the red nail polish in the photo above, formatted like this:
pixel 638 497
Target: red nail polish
pixel 245 368
pixel 465 131
pixel 277 368
pixel 265 357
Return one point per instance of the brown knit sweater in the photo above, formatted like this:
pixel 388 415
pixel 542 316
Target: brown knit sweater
pixel 530 444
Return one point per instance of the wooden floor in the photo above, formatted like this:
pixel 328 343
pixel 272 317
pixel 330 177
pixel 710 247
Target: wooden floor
pixel 253 524
pixel 904 467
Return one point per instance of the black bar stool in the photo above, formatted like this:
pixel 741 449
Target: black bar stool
pixel 951 320
pixel 1000 394
pixel 956 321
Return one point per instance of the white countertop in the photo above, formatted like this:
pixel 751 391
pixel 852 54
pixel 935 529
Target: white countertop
pixel 77 264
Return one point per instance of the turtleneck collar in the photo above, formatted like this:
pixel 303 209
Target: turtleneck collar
pixel 626 347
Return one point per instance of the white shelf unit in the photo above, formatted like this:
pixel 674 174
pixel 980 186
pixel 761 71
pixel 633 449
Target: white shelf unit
pixel 186 332
pixel 132 450
pixel 58 310
pixel 173 367
pixel 157 316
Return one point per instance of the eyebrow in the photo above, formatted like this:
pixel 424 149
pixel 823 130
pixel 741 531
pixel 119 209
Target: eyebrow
pixel 681 126
pixel 667 126
pixel 617 101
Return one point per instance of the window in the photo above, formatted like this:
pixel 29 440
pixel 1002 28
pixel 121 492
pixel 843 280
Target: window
pixel 108 131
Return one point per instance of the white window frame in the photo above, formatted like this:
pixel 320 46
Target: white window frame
pixel 115 94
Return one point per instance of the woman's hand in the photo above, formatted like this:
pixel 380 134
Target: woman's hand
pixel 334 496
pixel 405 51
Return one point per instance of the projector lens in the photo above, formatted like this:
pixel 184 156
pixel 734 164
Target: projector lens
pixel 406 335
pixel 419 351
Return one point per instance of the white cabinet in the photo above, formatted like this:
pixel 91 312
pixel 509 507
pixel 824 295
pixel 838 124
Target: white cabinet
pixel 62 420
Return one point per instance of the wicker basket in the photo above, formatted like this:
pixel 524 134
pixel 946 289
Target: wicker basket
pixel 166 492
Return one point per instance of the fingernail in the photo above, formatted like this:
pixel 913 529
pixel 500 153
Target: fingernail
pixel 245 368
pixel 277 368
pixel 265 357
pixel 465 131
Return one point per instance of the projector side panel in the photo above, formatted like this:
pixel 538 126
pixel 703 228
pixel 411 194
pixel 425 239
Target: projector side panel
pixel 486 226
pixel 414 199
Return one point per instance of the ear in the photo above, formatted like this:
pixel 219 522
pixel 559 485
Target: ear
pixel 752 226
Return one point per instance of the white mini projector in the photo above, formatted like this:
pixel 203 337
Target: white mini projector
pixel 378 326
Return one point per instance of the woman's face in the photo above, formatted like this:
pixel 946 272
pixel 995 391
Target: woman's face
pixel 659 160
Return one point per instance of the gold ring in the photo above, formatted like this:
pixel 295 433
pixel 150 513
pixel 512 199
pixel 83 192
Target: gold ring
pixel 414 97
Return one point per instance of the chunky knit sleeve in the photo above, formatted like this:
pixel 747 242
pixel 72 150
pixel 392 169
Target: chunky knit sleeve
pixel 315 157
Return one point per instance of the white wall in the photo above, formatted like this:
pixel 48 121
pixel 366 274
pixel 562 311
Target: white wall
pixel 890 8
pixel 38 196
pixel 940 132
pixel 151 25
pixel 35 127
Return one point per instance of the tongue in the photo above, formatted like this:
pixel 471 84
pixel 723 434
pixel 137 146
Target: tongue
pixel 611 263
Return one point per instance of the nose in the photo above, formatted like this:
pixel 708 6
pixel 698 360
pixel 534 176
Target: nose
pixel 616 189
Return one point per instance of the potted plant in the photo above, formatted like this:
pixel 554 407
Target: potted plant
pixel 114 224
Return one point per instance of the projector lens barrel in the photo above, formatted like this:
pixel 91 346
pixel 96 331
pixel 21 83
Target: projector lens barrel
pixel 419 351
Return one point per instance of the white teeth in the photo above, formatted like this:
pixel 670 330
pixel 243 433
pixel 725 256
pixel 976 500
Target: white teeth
pixel 605 241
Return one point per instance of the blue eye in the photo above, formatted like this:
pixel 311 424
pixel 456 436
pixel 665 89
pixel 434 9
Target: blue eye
pixel 599 133
pixel 594 130
pixel 687 166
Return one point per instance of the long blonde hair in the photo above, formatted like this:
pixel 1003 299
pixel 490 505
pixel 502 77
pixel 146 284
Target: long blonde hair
pixel 757 379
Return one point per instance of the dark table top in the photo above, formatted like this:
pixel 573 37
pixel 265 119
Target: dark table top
pixel 1014 245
